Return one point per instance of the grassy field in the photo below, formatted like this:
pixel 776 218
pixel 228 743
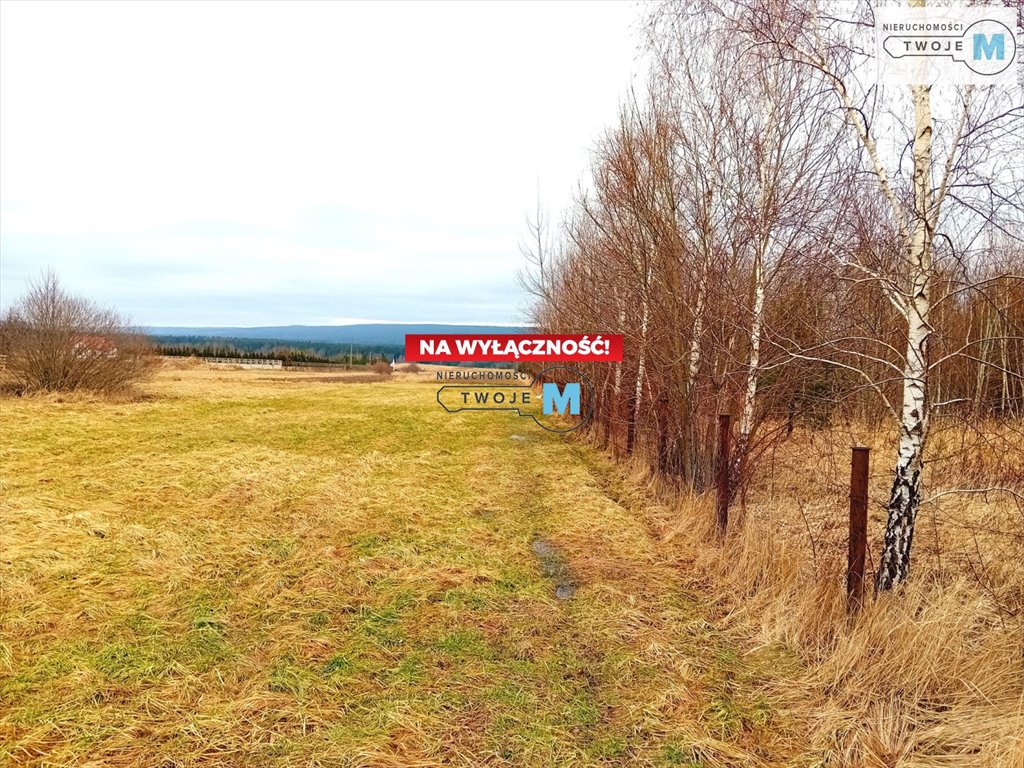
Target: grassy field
pixel 266 569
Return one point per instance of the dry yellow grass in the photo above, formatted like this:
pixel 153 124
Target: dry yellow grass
pixel 931 677
pixel 264 568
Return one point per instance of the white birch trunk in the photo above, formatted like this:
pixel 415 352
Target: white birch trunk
pixel 754 361
pixel 769 173
pixel 1004 348
pixel 641 366
pixel 697 331
pixel 618 365
pixel 905 497
pixel 984 350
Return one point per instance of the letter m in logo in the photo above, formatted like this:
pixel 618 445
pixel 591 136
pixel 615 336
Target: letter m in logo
pixel 990 46
pixel 556 401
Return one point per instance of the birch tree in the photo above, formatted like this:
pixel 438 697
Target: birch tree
pixel 813 36
pixel 696 95
pixel 794 222
pixel 785 176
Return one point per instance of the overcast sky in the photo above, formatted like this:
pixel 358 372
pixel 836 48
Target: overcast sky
pixel 251 163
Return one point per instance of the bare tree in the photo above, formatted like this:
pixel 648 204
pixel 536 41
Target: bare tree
pixel 55 341
pixel 772 234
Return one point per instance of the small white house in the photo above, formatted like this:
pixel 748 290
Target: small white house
pixel 89 345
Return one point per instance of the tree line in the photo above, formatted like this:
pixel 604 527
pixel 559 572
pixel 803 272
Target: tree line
pixel 274 349
pixel 781 238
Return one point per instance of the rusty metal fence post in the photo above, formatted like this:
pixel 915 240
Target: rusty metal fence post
pixel 858 529
pixel 722 506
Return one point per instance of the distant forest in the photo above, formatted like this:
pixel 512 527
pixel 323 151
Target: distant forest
pixel 275 349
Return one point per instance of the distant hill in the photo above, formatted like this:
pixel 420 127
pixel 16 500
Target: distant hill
pixel 369 333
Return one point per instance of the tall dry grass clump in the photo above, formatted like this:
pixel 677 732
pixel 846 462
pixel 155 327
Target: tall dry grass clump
pixel 56 342
pixel 930 676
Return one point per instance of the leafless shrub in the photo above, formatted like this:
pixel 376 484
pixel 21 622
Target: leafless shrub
pixel 381 368
pixel 57 342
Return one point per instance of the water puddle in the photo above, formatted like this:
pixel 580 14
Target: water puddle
pixel 565 591
pixel 552 566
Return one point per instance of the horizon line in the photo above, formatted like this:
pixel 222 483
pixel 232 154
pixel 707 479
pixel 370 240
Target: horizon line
pixel 353 322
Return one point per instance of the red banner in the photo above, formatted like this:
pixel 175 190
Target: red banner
pixel 513 348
